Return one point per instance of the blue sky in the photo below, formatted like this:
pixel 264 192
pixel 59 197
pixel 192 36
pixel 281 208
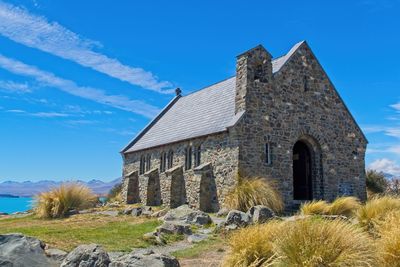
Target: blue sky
pixel 78 79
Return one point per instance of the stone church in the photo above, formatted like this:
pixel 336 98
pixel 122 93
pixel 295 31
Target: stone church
pixel 277 118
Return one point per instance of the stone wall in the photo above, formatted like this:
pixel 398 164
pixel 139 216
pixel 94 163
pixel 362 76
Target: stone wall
pixel 298 103
pixel 217 151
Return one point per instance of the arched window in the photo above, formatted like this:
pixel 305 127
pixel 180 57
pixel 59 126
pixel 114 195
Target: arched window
pixel 141 165
pixel 197 156
pixel 148 163
pixel 163 159
pixel 170 159
pixel 188 158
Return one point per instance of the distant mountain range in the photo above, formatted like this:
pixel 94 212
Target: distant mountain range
pixel 29 188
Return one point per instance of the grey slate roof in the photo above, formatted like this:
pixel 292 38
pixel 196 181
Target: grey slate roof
pixel 207 111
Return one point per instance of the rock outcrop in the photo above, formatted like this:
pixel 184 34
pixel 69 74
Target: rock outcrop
pixel 23 251
pixel 87 255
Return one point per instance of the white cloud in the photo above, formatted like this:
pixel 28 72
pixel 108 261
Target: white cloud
pixel 15 87
pixel 385 165
pixel 396 106
pixel 37 32
pixel 49 114
pixel 16 111
pixel 68 86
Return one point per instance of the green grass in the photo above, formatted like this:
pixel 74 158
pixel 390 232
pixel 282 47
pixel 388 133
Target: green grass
pixel 120 233
pixel 213 243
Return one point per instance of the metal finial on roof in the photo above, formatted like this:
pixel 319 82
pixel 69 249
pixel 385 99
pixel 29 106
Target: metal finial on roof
pixel 178 91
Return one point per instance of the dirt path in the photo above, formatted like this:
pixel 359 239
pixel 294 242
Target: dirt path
pixel 211 258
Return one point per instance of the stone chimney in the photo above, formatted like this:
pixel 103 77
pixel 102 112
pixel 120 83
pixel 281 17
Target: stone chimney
pixel 253 75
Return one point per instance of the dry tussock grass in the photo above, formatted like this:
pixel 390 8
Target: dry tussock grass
pixel 315 207
pixel 250 192
pixel 388 243
pixel 375 211
pixel 58 201
pixel 307 242
pixel 346 206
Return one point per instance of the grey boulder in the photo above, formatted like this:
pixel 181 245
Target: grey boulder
pixel 188 215
pixel 260 214
pixel 178 228
pixel 19 250
pixel 87 256
pixel 145 258
pixel 237 218
pixel 136 211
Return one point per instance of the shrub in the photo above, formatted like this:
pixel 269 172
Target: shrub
pixel 249 192
pixel 115 193
pixel 389 242
pixel 376 182
pixel 306 242
pixel 252 246
pixel 375 211
pixel 57 202
pixel 323 243
pixel 346 206
pixel 315 207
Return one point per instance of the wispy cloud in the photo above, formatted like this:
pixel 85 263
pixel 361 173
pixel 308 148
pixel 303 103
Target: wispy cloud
pixel 15 111
pixel 15 87
pixel 38 114
pixel 385 165
pixel 37 32
pixel 68 86
pixel 49 115
pixel 81 122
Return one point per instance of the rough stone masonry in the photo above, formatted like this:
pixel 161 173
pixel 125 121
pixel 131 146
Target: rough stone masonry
pixel 276 118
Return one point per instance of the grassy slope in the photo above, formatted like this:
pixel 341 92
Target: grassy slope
pixel 120 233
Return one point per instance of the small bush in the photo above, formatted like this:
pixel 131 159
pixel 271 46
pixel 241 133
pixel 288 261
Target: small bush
pixel 114 195
pixel 346 206
pixel 315 207
pixel 252 246
pixel 249 192
pixel 389 242
pixel 376 182
pixel 306 242
pixel 57 202
pixel 323 243
pixel 375 211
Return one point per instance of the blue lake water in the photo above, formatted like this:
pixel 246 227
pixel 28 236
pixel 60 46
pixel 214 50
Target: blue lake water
pixel 10 205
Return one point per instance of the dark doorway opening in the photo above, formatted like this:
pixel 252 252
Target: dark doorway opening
pixel 302 172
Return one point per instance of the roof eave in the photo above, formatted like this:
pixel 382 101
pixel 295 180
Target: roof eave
pixel 151 123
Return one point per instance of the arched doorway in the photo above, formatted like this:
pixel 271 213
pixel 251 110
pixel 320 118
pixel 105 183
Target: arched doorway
pixel 302 172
